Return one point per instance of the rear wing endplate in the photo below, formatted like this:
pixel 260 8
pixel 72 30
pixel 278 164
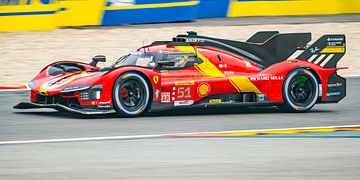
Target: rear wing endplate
pixel 326 51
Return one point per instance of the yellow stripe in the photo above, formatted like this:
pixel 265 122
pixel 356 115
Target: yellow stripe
pixel 333 49
pixel 158 5
pixel 243 84
pixel 206 67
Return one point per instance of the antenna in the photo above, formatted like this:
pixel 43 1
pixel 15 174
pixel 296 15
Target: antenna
pixel 144 46
pixel 194 50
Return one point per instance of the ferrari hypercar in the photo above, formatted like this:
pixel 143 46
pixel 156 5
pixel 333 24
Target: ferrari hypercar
pixel 190 70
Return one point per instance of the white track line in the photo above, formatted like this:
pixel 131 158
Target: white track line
pixel 352 75
pixel 80 139
pixel 148 136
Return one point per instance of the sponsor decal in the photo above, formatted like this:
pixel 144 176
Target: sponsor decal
pixel 314 49
pixel 157 94
pixel 104 103
pixel 333 94
pixel 185 83
pixel 211 101
pixel 229 73
pixel 266 78
pixel 156 79
pixel 104 106
pixel 334 45
pixel 203 89
pixel 183 103
pixel 165 97
pixel 247 64
pixel 335 85
pixel 223 66
pixel 335 39
pixel 194 40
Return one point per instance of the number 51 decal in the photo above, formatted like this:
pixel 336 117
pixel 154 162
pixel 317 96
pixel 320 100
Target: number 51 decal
pixel 183 92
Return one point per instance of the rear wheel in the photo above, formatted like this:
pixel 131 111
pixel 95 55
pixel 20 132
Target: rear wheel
pixel 131 94
pixel 300 91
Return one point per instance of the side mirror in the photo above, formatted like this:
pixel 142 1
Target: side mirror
pixel 96 59
pixel 161 64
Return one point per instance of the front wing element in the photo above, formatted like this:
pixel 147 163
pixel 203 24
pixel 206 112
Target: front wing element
pixel 30 105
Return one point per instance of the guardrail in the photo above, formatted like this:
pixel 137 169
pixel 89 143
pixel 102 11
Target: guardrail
pixel 51 14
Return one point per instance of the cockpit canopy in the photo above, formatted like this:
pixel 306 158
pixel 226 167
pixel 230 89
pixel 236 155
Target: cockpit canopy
pixel 154 59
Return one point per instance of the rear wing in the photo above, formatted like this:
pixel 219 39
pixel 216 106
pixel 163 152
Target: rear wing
pixel 326 51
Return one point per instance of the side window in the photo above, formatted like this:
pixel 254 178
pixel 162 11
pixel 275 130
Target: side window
pixel 182 60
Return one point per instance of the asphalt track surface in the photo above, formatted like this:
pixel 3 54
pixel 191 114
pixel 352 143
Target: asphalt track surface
pixel 328 156
pixel 282 157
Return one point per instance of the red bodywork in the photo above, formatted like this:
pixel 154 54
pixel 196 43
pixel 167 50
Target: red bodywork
pixel 224 73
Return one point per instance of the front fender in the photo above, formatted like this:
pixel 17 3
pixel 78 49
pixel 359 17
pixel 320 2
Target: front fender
pixel 109 78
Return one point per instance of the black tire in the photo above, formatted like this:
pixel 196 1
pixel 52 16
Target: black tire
pixel 300 91
pixel 131 94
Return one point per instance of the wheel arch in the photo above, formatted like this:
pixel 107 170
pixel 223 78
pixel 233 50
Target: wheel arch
pixel 318 78
pixel 147 79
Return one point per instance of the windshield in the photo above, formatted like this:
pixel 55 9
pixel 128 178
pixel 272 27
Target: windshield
pixel 151 59
pixel 136 59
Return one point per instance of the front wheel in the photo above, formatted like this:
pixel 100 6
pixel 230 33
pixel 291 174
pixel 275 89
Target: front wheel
pixel 300 91
pixel 131 95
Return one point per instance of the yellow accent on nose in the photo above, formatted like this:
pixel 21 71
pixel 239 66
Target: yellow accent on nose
pixel 43 92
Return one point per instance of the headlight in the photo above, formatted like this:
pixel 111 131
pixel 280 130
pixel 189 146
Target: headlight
pixel 75 88
pixel 31 84
pixel 93 93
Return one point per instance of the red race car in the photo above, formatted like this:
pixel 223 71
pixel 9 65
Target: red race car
pixel 197 71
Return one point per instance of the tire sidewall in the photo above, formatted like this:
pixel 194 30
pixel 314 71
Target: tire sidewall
pixel 286 93
pixel 116 95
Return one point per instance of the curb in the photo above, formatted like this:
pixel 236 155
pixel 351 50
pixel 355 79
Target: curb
pixel 286 131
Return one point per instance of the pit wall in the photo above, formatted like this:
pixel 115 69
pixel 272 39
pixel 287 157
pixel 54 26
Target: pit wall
pixel 51 14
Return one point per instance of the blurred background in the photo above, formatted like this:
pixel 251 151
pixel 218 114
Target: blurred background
pixel 79 29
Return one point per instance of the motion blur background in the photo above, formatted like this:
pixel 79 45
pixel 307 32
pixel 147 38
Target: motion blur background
pixel 79 29
pixel 51 14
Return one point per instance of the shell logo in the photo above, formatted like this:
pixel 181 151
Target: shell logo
pixel 203 89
